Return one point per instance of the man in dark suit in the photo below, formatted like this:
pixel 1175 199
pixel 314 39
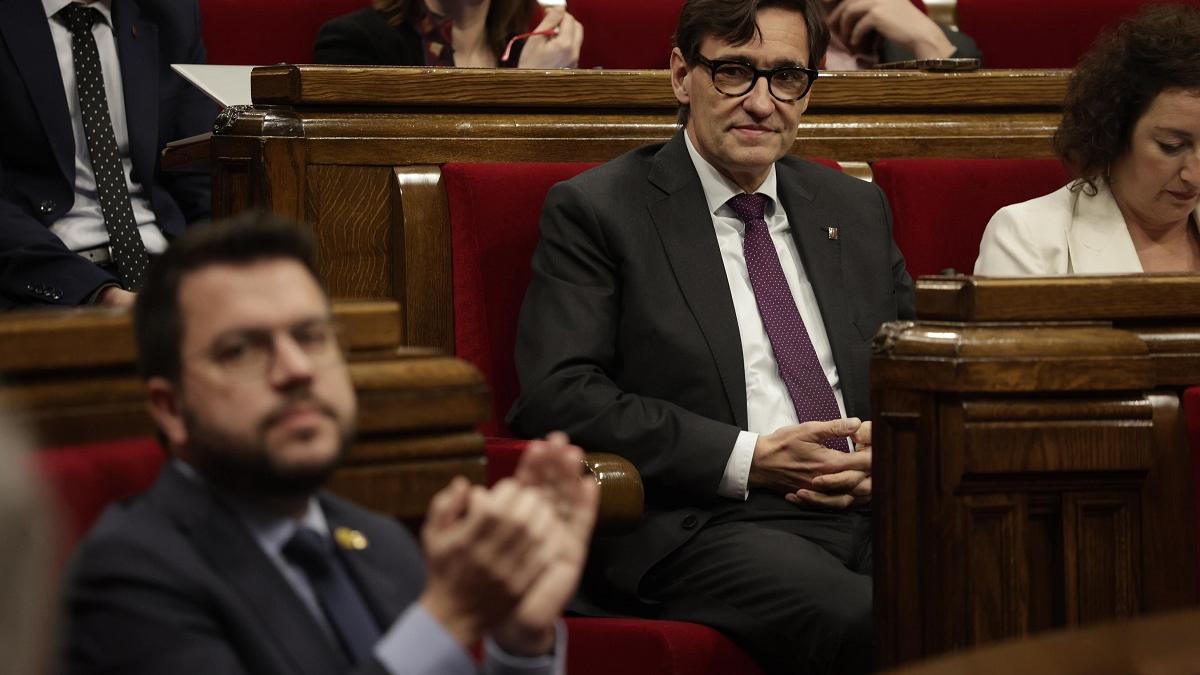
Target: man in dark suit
pixel 706 308
pixel 236 562
pixel 74 188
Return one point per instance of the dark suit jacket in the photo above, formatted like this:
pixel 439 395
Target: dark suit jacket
pixel 173 582
pixel 365 38
pixel 37 150
pixel 628 340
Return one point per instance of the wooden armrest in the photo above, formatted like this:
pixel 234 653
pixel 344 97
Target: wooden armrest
pixel 622 499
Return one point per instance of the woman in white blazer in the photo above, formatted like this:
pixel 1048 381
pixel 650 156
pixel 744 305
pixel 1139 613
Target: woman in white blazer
pixel 1131 133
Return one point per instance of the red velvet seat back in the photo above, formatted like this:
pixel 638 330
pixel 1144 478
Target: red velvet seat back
pixel 940 207
pixel 1037 33
pixel 264 32
pixel 494 213
pixel 626 33
pixel 84 479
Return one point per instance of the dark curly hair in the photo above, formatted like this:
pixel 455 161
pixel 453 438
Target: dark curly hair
pixel 1117 80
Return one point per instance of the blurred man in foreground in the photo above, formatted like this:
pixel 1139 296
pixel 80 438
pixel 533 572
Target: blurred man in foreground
pixel 236 561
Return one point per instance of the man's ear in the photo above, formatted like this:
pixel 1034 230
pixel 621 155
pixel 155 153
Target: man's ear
pixel 680 77
pixel 163 402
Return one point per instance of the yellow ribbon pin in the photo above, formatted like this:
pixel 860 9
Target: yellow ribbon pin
pixel 351 540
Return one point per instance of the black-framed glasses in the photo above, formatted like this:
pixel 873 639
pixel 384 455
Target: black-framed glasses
pixel 737 78
pixel 249 353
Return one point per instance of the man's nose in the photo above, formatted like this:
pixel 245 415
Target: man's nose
pixel 290 362
pixel 758 101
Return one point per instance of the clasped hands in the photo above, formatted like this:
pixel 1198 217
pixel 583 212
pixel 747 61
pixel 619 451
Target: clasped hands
pixel 504 561
pixel 793 461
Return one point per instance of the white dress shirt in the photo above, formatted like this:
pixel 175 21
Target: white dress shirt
pixel 768 404
pixel 83 226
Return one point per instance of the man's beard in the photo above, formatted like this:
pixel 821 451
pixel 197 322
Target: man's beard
pixel 245 468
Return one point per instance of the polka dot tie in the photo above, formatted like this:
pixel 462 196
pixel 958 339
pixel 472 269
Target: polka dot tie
pixel 798 364
pixel 128 252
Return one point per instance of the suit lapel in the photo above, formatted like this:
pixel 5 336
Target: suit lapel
pixel 386 590
pixel 233 554
pixel 686 230
pixel 137 47
pixel 27 33
pixel 810 218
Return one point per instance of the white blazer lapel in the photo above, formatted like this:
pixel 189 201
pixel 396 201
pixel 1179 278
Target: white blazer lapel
pixel 1098 241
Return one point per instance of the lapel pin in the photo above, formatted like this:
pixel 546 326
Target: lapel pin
pixel 135 32
pixel 832 233
pixel 348 539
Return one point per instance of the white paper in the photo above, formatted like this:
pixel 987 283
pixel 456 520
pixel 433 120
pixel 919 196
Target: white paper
pixel 227 85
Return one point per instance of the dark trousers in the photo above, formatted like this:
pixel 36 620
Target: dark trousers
pixel 794 592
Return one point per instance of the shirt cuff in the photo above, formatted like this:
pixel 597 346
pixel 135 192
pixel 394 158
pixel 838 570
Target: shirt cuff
pixel 500 662
pixel 417 644
pixel 735 482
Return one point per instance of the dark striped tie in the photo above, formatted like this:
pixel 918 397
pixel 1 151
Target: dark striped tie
pixel 128 252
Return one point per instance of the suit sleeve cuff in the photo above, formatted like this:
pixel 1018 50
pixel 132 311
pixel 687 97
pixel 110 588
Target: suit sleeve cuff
pixel 500 662
pixel 416 644
pixel 735 481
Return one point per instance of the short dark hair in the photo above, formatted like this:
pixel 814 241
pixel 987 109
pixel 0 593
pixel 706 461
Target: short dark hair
pixel 736 22
pixel 1117 80
pixel 246 238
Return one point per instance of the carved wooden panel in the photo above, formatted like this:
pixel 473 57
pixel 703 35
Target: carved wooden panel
pixel 348 209
pixel 1054 483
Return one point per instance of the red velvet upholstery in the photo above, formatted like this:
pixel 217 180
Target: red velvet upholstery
pixel 1037 33
pixel 1191 409
pixel 941 206
pixel 494 212
pixel 637 647
pixel 84 479
pixel 626 33
pixel 264 32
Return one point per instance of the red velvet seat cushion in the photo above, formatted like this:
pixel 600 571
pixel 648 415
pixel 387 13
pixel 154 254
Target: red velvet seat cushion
pixel 940 207
pixel 84 479
pixel 1040 34
pixel 265 32
pixel 637 647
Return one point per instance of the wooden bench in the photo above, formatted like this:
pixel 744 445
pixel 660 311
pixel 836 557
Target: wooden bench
pixel 1032 464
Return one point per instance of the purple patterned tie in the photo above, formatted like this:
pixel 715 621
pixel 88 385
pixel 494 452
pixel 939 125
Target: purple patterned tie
pixel 798 363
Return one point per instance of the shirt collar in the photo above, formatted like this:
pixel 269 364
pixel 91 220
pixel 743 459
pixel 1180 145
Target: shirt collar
pixel 270 530
pixel 718 189
pixel 104 6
